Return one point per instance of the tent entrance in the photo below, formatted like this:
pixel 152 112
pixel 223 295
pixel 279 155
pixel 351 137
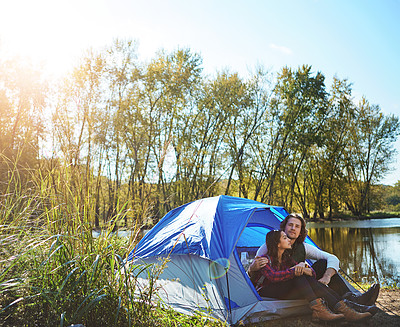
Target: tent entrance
pixel 252 238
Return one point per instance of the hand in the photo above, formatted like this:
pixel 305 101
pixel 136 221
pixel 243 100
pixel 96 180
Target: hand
pixel 325 280
pixel 299 269
pixel 258 263
pixel 308 271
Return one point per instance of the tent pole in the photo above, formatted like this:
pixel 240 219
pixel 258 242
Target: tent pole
pixel 229 296
pixel 344 273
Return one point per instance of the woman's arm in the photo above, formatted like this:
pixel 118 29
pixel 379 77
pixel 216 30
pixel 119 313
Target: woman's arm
pixel 310 272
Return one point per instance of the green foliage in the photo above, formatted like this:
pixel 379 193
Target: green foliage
pixel 53 272
pixel 393 200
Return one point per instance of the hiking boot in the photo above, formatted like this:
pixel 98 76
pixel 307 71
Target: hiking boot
pixel 367 298
pixel 372 309
pixel 349 313
pixel 321 312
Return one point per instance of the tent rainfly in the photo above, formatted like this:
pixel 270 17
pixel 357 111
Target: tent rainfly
pixel 208 243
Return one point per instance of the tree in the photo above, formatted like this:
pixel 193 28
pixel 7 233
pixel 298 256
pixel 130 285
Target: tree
pixel 337 131
pixel 369 154
pixel 325 158
pixel 244 125
pixel 79 108
pixel 294 123
pixel 169 91
pixel 22 102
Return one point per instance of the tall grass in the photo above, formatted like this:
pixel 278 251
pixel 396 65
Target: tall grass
pixel 53 272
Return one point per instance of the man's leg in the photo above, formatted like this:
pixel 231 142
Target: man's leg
pixel 340 287
pixel 319 267
pixel 337 283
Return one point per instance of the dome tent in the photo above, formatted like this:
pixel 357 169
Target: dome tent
pixel 204 242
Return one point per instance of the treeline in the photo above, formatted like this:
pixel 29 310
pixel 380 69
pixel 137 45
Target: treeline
pixel 128 140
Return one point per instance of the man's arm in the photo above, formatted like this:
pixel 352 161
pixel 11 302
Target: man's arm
pixel 256 265
pixel 259 261
pixel 262 250
pixel 314 253
pixel 326 278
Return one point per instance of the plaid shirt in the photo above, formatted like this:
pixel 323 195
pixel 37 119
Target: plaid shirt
pixel 268 275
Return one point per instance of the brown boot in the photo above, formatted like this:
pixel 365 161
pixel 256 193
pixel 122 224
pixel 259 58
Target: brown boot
pixel 321 311
pixel 372 309
pixel 349 313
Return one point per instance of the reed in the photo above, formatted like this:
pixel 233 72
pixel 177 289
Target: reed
pixel 53 272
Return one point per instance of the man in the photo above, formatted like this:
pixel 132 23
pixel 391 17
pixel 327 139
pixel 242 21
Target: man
pixel 326 266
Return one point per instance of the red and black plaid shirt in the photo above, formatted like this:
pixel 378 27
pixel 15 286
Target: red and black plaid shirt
pixel 268 274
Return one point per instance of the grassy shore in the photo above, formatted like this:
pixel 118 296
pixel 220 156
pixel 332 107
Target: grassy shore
pixel 53 272
pixel 64 279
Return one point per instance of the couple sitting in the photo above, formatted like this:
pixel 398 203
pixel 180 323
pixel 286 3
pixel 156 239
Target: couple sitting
pixel 279 271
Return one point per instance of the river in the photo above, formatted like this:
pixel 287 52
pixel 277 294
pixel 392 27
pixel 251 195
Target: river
pixel 369 250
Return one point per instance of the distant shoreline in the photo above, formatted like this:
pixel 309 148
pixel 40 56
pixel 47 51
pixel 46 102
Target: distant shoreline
pixel 378 215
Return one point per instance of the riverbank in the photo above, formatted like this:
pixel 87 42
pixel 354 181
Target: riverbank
pixel 389 314
pixel 349 217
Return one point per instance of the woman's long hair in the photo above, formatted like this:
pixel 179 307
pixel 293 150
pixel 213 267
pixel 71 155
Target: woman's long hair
pixel 272 240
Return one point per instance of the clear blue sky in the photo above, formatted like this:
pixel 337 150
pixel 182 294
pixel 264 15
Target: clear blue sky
pixel 354 39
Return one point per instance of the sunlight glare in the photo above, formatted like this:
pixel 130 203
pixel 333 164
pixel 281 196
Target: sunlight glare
pixel 50 33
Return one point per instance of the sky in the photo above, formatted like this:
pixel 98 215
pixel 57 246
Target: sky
pixel 354 39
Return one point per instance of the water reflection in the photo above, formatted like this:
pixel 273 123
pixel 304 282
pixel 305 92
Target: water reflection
pixel 366 254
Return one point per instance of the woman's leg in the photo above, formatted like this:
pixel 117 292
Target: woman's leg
pixel 296 288
pixel 321 290
pixel 300 288
pixel 279 290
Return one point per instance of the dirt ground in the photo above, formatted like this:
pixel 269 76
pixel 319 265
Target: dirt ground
pixel 389 315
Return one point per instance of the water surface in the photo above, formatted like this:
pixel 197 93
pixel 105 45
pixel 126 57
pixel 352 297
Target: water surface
pixel 369 250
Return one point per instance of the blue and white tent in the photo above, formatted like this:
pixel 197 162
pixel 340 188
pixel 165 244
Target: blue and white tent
pixel 204 242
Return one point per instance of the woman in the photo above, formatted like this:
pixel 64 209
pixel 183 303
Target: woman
pixel 284 279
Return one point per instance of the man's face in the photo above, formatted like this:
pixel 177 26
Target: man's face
pixel 293 228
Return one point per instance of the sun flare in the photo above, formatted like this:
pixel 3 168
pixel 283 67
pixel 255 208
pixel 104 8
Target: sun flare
pixel 49 33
